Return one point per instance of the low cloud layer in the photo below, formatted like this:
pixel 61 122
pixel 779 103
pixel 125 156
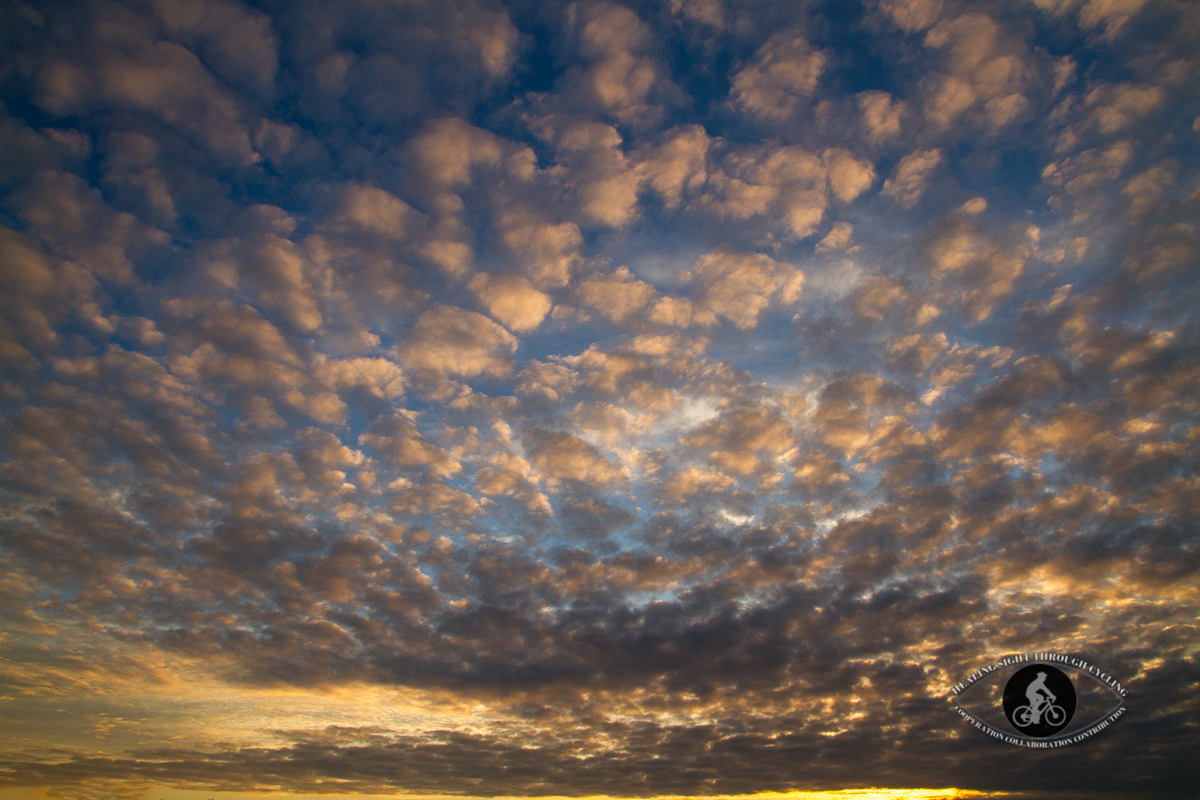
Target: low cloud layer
pixel 570 399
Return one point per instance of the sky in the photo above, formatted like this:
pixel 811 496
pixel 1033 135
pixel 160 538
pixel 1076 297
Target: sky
pixel 645 399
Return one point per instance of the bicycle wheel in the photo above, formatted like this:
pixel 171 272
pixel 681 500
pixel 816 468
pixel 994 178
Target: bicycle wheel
pixel 1055 715
pixel 1023 717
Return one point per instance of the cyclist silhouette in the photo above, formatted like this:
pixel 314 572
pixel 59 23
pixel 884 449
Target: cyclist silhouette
pixel 1040 699
pixel 1035 691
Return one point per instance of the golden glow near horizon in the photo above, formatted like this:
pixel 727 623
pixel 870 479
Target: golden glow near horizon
pixel 840 794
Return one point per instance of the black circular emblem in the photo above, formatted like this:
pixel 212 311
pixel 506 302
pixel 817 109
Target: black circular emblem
pixel 1039 700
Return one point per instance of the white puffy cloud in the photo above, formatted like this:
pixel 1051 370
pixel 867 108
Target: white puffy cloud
pixel 368 209
pixel 446 150
pixel 1147 188
pixel 741 438
pixel 739 286
pixel 558 456
pixel 545 251
pixel 988 71
pixel 912 15
pixel 678 165
pixel 74 221
pixel 879 298
pixel 238 44
pixel 791 183
pixel 1084 175
pixel 1108 14
pixel 780 79
pixel 837 238
pixel 974 206
pixel 493 38
pixel 881 115
pixel 132 161
pixel 618 296
pixel 707 12
pixel 1118 106
pixel 280 406
pixel 690 481
pixel 981 272
pixel 161 79
pixel 550 381
pixel 269 267
pixel 454 341
pixel 324 459
pixel 509 475
pixel 680 312
pixel 28 299
pixel 1112 14
pixel 396 440
pixel 848 176
pixel 380 376
pixel 911 177
pixel 620 76
pixel 603 181
pixel 512 300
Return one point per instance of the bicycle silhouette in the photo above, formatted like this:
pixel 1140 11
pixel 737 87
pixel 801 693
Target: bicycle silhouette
pixel 1025 716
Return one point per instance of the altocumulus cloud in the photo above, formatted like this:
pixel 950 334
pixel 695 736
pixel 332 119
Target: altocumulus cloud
pixel 593 398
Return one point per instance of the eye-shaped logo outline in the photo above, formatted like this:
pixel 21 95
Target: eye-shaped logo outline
pixel 1060 739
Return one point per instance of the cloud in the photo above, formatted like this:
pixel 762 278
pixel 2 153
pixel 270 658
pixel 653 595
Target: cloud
pixel 1082 174
pixel 513 301
pixel 605 183
pixel 548 251
pixel 1112 15
pixel 494 38
pixel 559 456
pixel 277 272
pixel 323 458
pixel 912 15
pixel 31 303
pixel 621 77
pixel 792 185
pixel 370 210
pixel 739 439
pixel 455 341
pixel 554 381
pixel 132 161
pixel 985 66
pixel 881 115
pixel 848 177
pixel 618 296
pixel 161 79
pixel 237 44
pixel 74 220
pixel 837 238
pixel 707 12
pixel 678 165
pixel 447 149
pixel 510 475
pixel 990 271
pixel 1121 105
pixel 680 312
pixel 398 442
pixel 738 287
pixel 543 398
pixel 911 177
pixel 380 376
pixel 782 76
